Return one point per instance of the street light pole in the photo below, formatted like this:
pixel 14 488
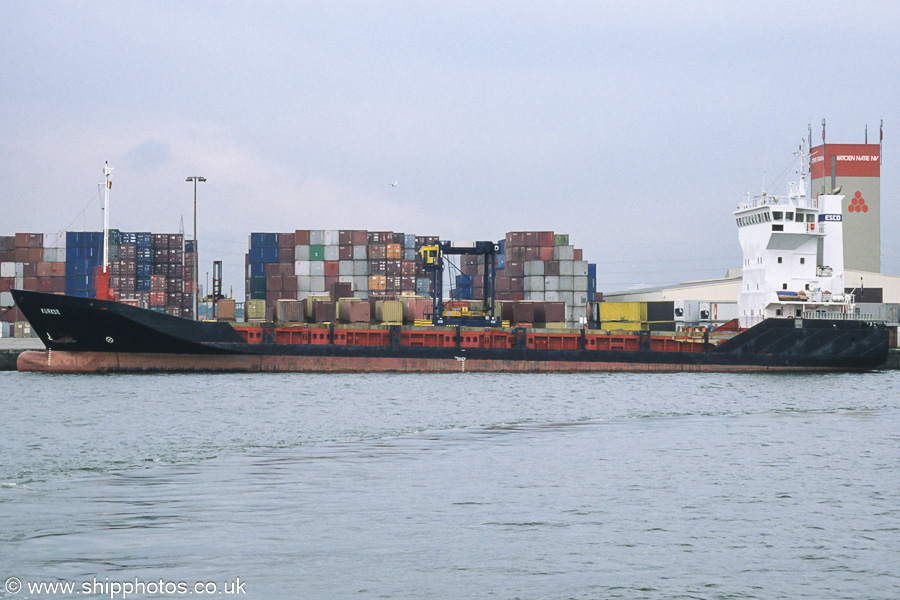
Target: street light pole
pixel 195 179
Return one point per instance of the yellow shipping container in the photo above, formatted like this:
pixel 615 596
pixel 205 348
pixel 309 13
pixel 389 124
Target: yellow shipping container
pixel 256 309
pixel 623 312
pixel 624 326
pixel 389 311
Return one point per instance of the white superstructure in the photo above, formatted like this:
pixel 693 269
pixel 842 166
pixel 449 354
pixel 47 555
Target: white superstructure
pixel 793 257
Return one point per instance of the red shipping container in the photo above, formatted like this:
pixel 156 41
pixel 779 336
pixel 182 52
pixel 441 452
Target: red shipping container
pixel 546 253
pixel 340 290
pixel 345 252
pixel 301 237
pixel 7 283
pixel 44 284
pixel 547 238
pixel 377 251
pixel 514 269
pixel 21 240
pixel 330 281
pixel 285 269
pixel 345 237
pixel 332 268
pixel 286 240
pixel 551 267
pixel 532 239
pixel 29 269
pixel 43 269
pixel 533 253
pixel 289 284
pixel 408 267
pixel 517 284
pixel 272 269
pixel 515 254
pixel 274 283
pixel 359 237
pixel 515 239
pixel 579 254
pixel 58 285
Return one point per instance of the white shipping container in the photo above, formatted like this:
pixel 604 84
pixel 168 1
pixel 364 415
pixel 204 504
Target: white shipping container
pixel 6 329
pixel 566 283
pixel 302 268
pixel 301 252
pixel 345 267
pixel 317 284
pixel 7 269
pixel 302 295
pixel 551 283
pixel 581 284
pixel 303 283
pixel 51 255
pixel 534 296
pixel 580 268
pixel 346 279
pixel 566 267
pixel 317 237
pixel 360 267
pixel 361 284
pixel 534 284
pixel 563 252
pixel 20 270
pixel 534 267
pixel 551 296
pixel 331 237
pixel 317 268
pixel 567 297
pixel 722 312
pixel 361 294
pixel 60 255
pixel 359 253
pixel 6 299
pixel 332 252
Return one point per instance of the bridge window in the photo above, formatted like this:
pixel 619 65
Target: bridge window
pixel 802 260
pixel 777 215
pixel 777 312
pixel 784 286
pixel 777 227
pixel 779 260
pixel 810 218
pixel 788 216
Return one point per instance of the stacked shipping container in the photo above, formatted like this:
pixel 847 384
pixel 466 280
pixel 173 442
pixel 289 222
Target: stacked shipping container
pixel 309 262
pixel 539 266
pixel 145 269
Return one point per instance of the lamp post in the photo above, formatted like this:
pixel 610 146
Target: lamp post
pixel 195 179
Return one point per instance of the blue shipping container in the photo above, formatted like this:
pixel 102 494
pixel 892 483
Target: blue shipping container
pixel 257 269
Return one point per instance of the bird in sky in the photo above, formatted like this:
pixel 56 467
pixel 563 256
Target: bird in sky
pixel 395 184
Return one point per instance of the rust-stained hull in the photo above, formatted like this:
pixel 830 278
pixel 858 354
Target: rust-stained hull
pixel 55 361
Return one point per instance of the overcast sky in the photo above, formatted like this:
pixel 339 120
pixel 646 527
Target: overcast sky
pixel 635 127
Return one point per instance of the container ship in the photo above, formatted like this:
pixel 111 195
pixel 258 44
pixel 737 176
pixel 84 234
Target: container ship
pixel 88 335
pixel 787 319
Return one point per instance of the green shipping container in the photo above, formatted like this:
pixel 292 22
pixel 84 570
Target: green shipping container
pixel 258 285
pixel 561 239
pixel 317 253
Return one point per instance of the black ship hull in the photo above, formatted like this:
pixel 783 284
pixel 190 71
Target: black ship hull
pixel 86 335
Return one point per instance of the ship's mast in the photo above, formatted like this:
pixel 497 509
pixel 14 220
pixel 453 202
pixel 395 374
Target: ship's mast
pixel 106 173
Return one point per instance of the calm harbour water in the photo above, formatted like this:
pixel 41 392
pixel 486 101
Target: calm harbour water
pixel 455 486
